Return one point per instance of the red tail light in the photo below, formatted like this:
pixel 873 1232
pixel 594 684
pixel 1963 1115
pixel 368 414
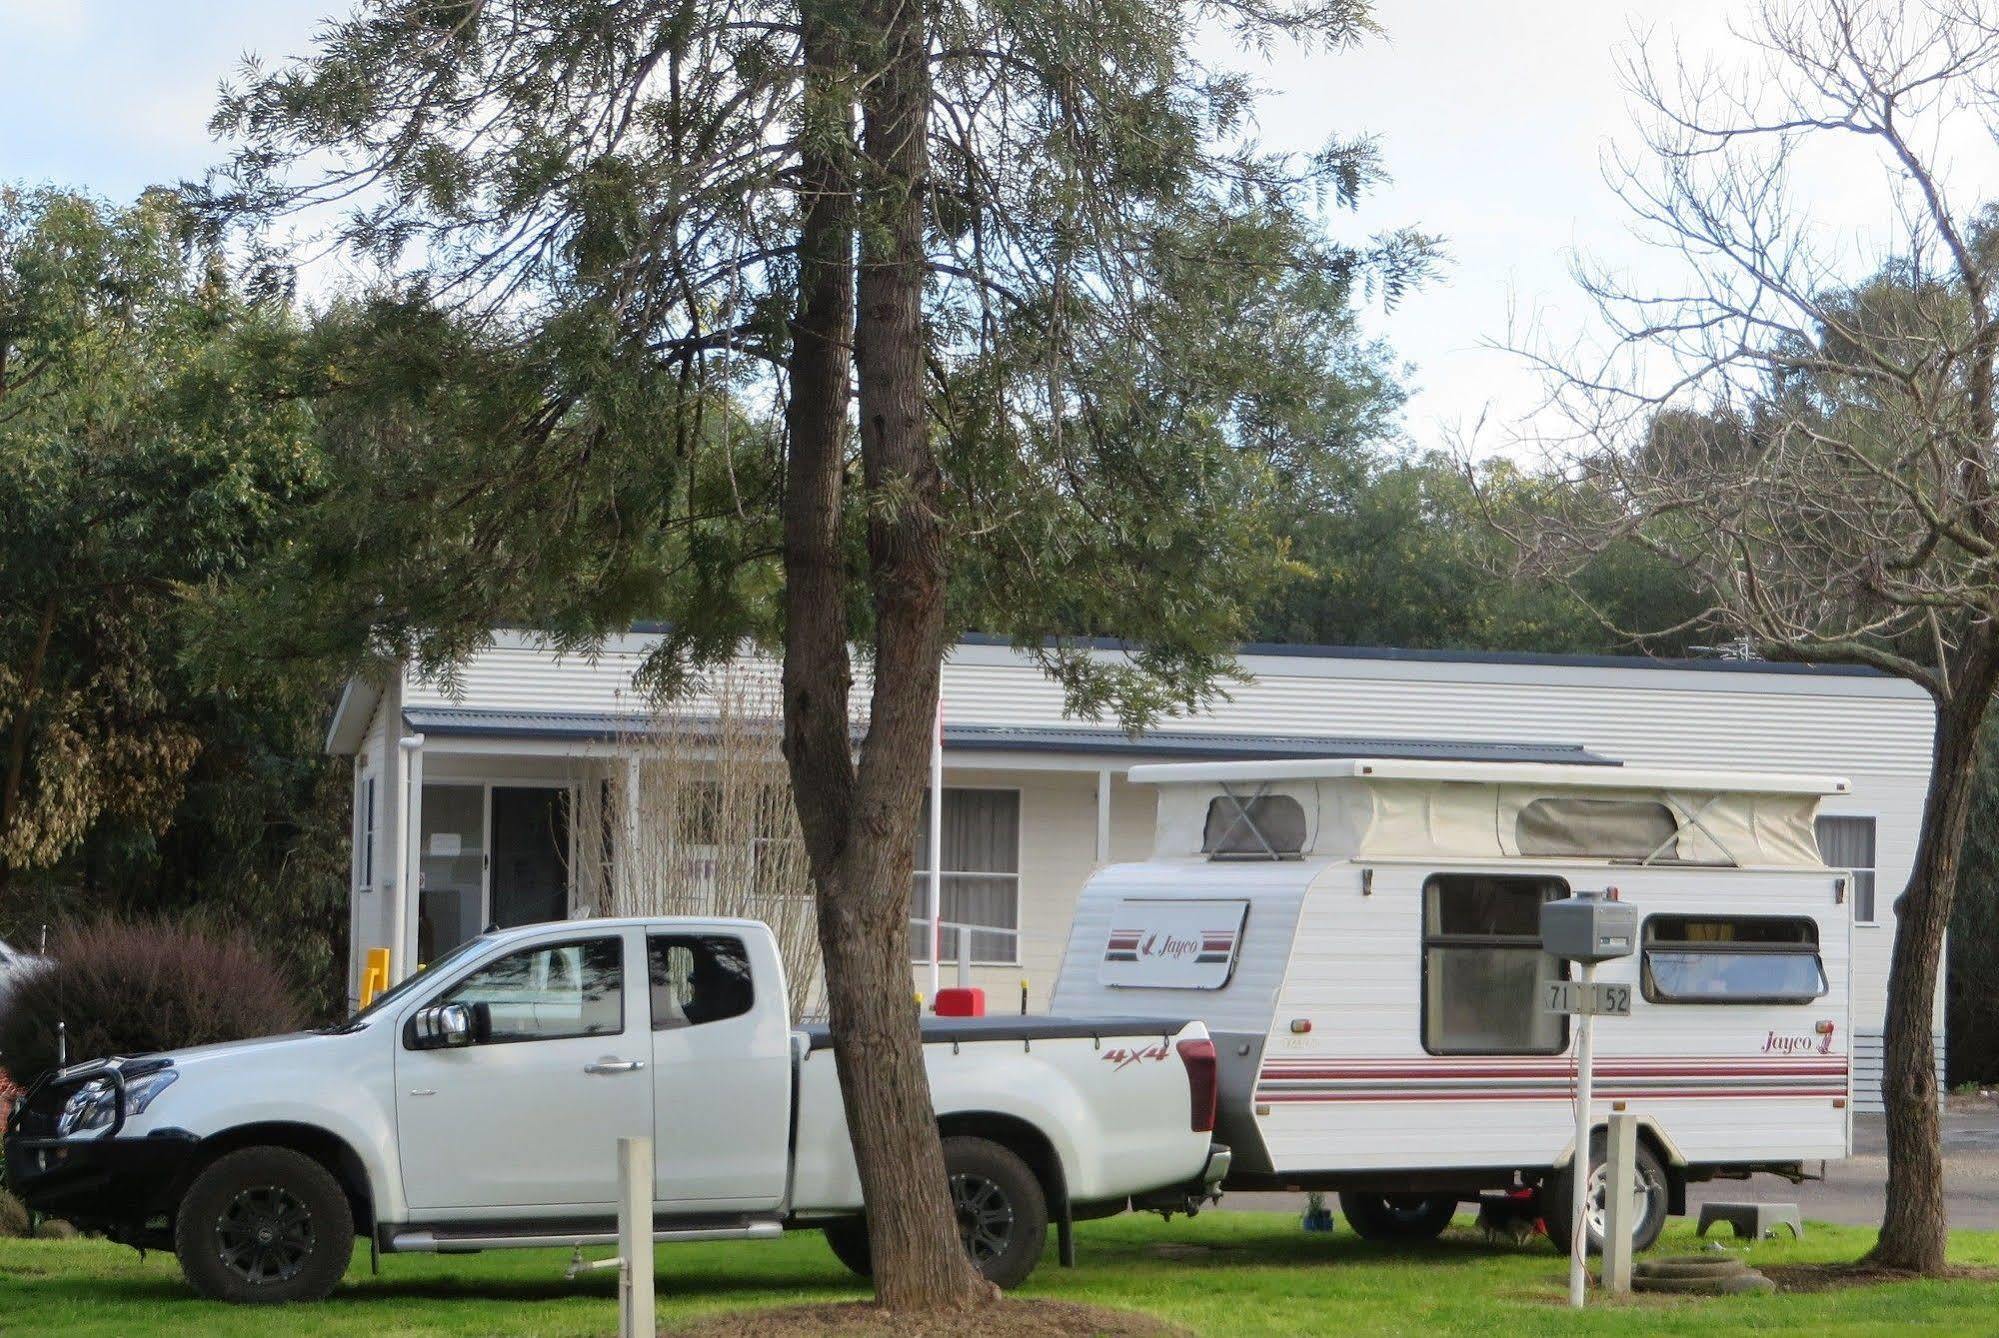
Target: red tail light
pixel 1202 1082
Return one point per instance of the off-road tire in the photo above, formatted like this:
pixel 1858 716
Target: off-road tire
pixel 263 1226
pixel 1397 1217
pixel 1001 1208
pixel 848 1239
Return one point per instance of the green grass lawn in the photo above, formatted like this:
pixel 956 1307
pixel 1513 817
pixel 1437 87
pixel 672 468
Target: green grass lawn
pixel 1223 1273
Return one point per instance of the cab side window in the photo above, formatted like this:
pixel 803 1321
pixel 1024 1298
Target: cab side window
pixel 698 978
pixel 549 992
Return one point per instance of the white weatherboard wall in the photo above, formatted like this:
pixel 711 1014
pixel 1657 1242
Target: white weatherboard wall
pixel 1875 731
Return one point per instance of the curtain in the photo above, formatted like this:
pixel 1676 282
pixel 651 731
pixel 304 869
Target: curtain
pixel 1848 843
pixel 981 883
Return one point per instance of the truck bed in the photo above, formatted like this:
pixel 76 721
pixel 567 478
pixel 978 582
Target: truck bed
pixel 1031 1027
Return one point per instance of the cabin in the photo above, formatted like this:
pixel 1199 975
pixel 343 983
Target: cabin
pixel 480 797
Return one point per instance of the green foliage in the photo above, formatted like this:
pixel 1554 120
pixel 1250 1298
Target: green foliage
pixel 1139 326
pixel 136 470
pixel 1971 985
pixel 1401 554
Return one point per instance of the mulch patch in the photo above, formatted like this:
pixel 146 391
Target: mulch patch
pixel 1837 1277
pixel 1001 1319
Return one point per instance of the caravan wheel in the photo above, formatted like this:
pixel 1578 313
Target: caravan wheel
pixel 1648 1182
pixel 1387 1217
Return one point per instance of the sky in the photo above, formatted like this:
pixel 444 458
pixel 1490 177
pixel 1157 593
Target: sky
pixel 1492 116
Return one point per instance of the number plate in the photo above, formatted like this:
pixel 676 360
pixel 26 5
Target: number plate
pixel 1597 998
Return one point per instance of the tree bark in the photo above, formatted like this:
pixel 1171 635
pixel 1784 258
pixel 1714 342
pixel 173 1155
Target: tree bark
pixel 1914 1228
pixel 817 679
pixel 859 823
pixel 918 1261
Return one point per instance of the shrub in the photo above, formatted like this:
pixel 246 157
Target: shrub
pixel 14 1224
pixel 135 987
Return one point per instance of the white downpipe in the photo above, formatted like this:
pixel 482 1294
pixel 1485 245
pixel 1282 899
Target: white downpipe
pixel 936 860
pixel 409 863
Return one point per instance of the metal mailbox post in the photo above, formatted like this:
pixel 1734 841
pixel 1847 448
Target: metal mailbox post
pixel 1586 928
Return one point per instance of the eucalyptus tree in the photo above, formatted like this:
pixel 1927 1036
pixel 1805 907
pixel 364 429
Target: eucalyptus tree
pixel 848 325
pixel 1807 429
pixel 134 474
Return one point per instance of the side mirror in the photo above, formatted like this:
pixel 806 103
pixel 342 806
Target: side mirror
pixel 444 1027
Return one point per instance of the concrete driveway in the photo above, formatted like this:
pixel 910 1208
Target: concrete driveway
pixel 1852 1192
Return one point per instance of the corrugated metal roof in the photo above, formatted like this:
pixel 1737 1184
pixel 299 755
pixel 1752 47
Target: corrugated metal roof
pixel 448 722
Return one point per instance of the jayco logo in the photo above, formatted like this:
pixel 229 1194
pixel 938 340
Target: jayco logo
pixel 1121 1059
pixel 1170 947
pixel 1773 1044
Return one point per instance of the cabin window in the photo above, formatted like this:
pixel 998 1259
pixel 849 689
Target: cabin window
pixel 1264 826
pixel 1597 828
pixel 1704 959
pixel 980 887
pixel 365 847
pixel 1483 967
pixel 1847 843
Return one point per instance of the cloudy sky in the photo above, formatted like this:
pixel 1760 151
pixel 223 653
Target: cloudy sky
pixel 1493 118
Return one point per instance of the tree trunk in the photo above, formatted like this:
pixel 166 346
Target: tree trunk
pixel 918 1261
pixel 859 824
pixel 1914 1229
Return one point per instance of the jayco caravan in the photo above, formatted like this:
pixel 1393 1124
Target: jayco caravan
pixel 1361 937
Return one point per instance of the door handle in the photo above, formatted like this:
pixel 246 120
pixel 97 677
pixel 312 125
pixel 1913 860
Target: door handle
pixel 615 1066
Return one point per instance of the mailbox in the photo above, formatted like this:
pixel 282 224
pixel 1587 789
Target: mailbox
pixel 1588 927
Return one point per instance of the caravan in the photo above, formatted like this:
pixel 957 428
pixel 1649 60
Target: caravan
pixel 1361 937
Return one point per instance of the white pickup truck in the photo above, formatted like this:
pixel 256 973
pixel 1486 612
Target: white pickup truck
pixel 478 1106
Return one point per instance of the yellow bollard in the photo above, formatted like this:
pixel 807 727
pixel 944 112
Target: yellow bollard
pixel 374 975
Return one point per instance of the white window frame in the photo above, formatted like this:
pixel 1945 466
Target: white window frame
pixel 1852 900
pixel 920 872
pixel 486 784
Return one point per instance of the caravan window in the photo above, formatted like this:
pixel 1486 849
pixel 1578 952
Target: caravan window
pixel 1265 826
pixel 1483 966
pixel 1596 828
pixel 1707 959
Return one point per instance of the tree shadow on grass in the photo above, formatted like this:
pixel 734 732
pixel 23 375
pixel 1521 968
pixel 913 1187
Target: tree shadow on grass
pixel 361 1289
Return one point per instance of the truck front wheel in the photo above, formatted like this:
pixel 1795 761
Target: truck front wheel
pixel 264 1225
pixel 1001 1210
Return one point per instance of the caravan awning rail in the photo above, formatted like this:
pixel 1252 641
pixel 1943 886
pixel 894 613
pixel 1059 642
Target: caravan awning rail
pixel 1541 774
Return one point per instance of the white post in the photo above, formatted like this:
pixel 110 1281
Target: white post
pixel 1620 1208
pixel 936 861
pixel 409 860
pixel 1579 1166
pixel 635 1278
pixel 632 901
pixel 1103 816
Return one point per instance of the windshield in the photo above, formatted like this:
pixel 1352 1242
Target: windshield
pixel 410 982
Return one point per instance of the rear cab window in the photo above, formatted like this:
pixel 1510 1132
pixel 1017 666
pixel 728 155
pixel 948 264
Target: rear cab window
pixel 698 979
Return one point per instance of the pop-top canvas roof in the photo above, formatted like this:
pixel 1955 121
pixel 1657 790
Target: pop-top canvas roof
pixel 1386 808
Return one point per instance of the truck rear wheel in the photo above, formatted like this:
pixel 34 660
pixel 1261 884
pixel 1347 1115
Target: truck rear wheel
pixel 1001 1210
pixel 264 1225
pixel 1392 1217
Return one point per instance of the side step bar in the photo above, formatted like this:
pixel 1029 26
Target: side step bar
pixel 465 1242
